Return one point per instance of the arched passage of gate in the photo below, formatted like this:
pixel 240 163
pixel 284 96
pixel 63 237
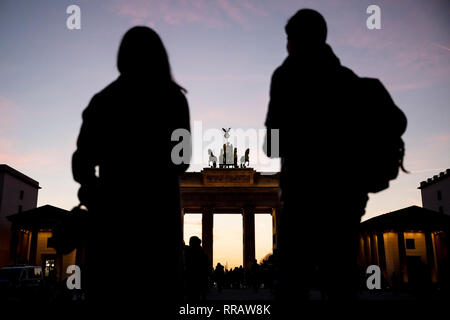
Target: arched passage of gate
pixel 238 190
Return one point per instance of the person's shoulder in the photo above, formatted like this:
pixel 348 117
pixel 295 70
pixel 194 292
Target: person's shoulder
pixel 105 92
pixel 110 90
pixel 365 82
pixel 375 87
pixel 279 73
pixel 374 83
pixel 279 70
pixel 100 98
pixel 348 73
pixel 363 85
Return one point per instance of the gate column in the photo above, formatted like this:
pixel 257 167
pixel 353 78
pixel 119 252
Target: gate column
pixel 207 232
pixel 248 220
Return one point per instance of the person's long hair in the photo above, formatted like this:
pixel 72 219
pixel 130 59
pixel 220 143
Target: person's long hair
pixel 142 55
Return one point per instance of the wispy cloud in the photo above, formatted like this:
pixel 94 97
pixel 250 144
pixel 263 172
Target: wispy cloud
pixel 233 11
pixel 429 155
pixel 429 170
pixel 212 13
pixel 13 150
pixel 45 159
pixel 410 51
pixel 441 46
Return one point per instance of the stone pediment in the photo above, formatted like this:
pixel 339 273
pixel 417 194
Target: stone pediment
pixel 228 177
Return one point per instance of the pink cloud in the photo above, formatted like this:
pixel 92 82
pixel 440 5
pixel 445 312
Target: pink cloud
pixel 11 154
pixel 154 12
pixel 251 7
pixel 11 147
pixel 409 52
pixel 206 12
pixel 441 46
pixel 419 67
pixel 233 11
pixel 412 64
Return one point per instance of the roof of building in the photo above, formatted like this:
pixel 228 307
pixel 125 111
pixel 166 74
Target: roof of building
pixel 19 175
pixel 20 267
pixel 413 218
pixel 436 178
pixel 45 215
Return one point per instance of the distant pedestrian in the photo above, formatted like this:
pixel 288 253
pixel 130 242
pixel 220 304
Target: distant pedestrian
pixel 219 275
pixel 197 270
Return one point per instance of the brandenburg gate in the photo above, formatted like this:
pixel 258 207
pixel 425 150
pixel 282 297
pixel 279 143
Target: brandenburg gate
pixel 231 190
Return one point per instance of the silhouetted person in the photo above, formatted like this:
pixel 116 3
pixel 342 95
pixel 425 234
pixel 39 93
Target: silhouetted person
pixel 335 146
pixel 240 276
pixel 254 276
pixel 134 229
pixel 197 270
pixel 235 278
pixel 219 276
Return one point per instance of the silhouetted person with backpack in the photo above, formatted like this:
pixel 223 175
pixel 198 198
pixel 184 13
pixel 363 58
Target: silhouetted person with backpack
pixel 134 236
pixel 339 139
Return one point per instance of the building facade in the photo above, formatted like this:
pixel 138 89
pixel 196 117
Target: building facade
pixel 436 192
pixel 409 245
pixel 30 234
pixel 18 193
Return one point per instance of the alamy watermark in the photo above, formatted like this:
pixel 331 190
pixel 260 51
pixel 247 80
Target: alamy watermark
pixel 374 20
pixel 74 279
pixel 225 147
pixel 374 280
pixel 73 21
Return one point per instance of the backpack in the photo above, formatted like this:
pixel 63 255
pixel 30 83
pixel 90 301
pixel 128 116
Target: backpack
pixel 382 148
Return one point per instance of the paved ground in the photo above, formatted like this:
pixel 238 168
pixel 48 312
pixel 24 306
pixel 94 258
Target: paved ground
pixel 239 294
pixel 315 295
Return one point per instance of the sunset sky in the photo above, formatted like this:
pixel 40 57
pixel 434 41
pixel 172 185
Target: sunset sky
pixel 223 52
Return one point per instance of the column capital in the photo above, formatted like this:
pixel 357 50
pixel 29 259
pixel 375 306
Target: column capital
pixel 207 210
pixel 247 209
